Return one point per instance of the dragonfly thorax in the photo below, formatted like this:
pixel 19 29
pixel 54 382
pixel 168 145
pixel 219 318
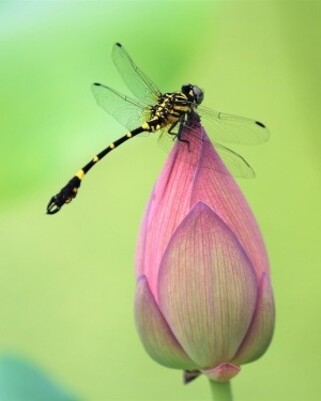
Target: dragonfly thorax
pixel 169 110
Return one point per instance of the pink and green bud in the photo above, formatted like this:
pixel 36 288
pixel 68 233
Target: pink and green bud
pixel 204 302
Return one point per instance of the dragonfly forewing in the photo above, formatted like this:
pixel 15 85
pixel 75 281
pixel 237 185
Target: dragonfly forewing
pixel 136 80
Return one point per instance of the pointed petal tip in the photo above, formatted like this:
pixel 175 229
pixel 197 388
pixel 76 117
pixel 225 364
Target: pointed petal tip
pixel 261 329
pixel 155 334
pixel 223 372
pixel 207 287
pixel 189 376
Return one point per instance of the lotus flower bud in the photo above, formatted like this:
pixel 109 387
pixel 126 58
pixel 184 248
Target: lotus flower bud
pixel 204 302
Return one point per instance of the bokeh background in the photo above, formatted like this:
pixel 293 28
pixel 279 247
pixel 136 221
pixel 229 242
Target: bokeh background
pixel 66 281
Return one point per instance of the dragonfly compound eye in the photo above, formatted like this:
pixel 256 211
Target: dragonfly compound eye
pixel 198 94
pixel 193 93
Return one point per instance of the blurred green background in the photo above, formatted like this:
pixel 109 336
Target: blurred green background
pixel 66 281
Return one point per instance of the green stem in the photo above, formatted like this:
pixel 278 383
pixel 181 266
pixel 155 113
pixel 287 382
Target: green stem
pixel 221 391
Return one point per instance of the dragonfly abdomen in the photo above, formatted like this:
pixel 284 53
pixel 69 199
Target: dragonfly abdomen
pixel 69 191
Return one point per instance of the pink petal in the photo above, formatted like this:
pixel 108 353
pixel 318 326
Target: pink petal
pixel 223 372
pixel 207 288
pixel 168 205
pixel 155 333
pixel 260 332
pixel 222 194
pixel 189 177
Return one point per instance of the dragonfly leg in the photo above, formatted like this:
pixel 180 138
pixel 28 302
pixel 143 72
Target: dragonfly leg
pixel 171 128
pixel 180 130
pixel 178 134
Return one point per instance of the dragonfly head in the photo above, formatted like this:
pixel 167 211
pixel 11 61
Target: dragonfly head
pixel 193 93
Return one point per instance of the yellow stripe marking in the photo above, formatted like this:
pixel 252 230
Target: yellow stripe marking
pixel 112 146
pixel 129 135
pixel 80 174
pixel 95 159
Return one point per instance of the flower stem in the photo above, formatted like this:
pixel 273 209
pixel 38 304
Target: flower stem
pixel 221 391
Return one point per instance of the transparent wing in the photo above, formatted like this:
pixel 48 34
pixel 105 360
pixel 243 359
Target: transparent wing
pixel 165 140
pixel 140 85
pixel 233 129
pixel 127 111
pixel 235 163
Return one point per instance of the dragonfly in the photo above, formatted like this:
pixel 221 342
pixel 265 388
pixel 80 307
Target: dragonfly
pixel 172 114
